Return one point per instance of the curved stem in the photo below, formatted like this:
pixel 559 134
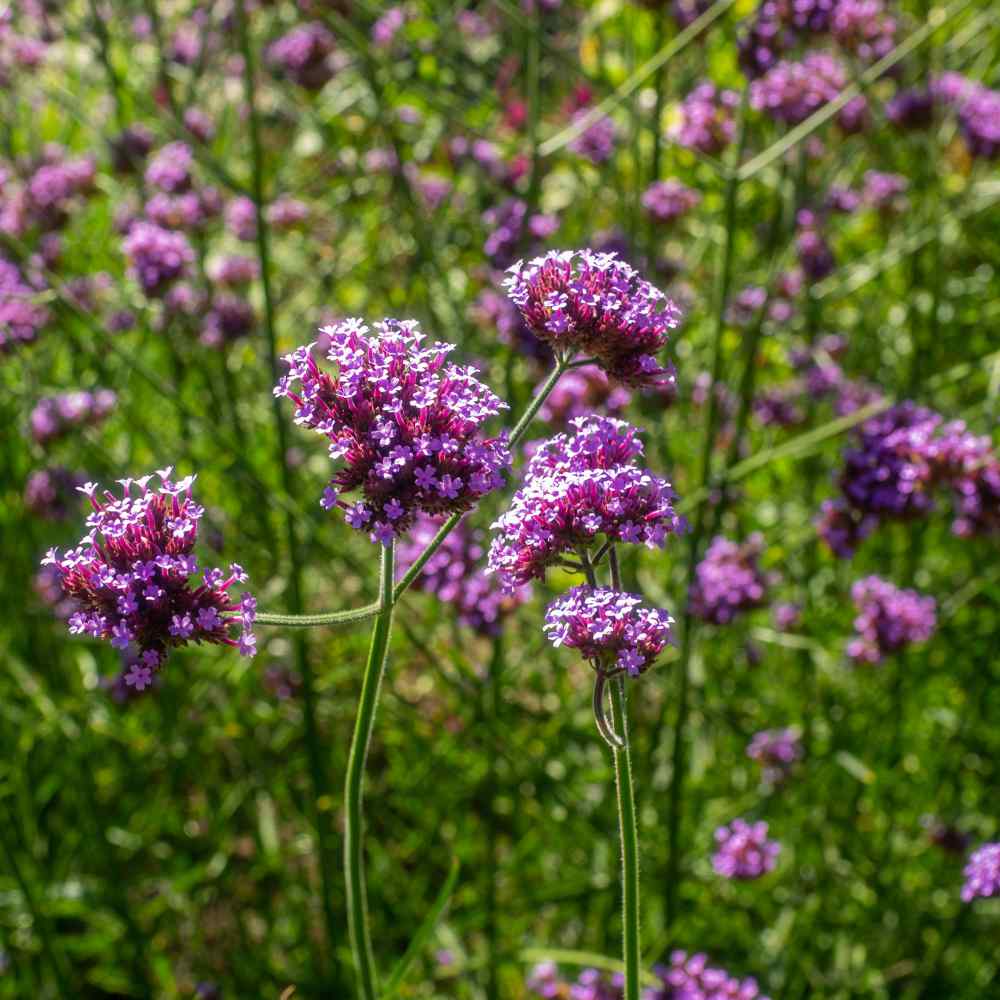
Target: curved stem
pixel 317 621
pixel 354 873
pixel 604 727
pixel 630 843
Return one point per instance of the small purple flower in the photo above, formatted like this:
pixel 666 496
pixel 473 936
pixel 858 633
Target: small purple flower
pixel 405 423
pixel 889 619
pixel 583 302
pixel 728 581
pixel 579 486
pixel 303 55
pixel 667 201
pixel 707 120
pixel 614 631
pixel 158 257
pixel 141 543
pixel 777 750
pixel 743 850
pixel 982 873
pixel 597 141
pixel 170 169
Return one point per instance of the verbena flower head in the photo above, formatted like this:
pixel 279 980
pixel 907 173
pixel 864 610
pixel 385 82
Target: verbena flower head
pixel 55 416
pixel 776 750
pixel 728 580
pixel 706 119
pixel 303 55
pixel 885 191
pixel 690 977
pixel 597 141
pixel 979 117
pixel 131 578
pixel 790 92
pixel 580 301
pixel 591 984
pixel 579 487
pixel 982 873
pixel 843 528
pixel 170 168
pixel 977 500
pixel 21 315
pixel 666 201
pixel 455 574
pixel 158 256
pixel 889 619
pixel 743 850
pixel 583 391
pixel 406 424
pixel 613 630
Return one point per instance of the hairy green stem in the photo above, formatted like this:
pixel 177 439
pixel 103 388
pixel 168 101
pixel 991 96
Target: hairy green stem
pixel 354 872
pixel 318 621
pixel 629 841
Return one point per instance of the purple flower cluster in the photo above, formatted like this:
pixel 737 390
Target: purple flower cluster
pixel 613 630
pixel 579 301
pixel 687 977
pixel 728 581
pixel 50 493
pixel 55 416
pixel 591 984
pixel 241 218
pixel 863 28
pixel 889 619
pixel 982 873
pixel 707 119
pixel 597 141
pixel 510 225
pixel 978 110
pixel 303 55
pixel 130 578
pixel 454 574
pixel 158 257
pixel 692 978
pixel 884 191
pixel 743 850
pixel 791 91
pixel 843 528
pixel 777 750
pixel 912 108
pixel 405 423
pixel 21 316
pixel 667 201
pixel 815 256
pixel 492 309
pixel 170 169
pixel 228 319
pixel 578 487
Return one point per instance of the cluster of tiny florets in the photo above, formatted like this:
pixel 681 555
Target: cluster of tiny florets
pixel 743 850
pixel 303 55
pixel 583 302
pixel 404 422
pixel 455 575
pixel 51 493
pixel 579 487
pixel 982 873
pixel 889 619
pixel 55 416
pixel 776 750
pixel 22 315
pixel 667 201
pixel 158 256
pixel 130 578
pixel 706 119
pixel 791 91
pixel 613 630
pixel 728 580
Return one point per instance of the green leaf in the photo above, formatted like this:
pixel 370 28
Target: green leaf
pixel 423 934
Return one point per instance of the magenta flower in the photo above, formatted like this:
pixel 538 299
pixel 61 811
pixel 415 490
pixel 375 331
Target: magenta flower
pixel 776 750
pixel 707 119
pixel 158 256
pixel 583 302
pixel 889 619
pixel 728 581
pixel 303 55
pixel 743 850
pixel 580 487
pixel 130 578
pixel 614 631
pixel 170 169
pixel 667 201
pixel 405 423
pixel 982 873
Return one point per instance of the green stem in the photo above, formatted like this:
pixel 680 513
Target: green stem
pixel 318 621
pixel 493 723
pixel 629 840
pixel 354 875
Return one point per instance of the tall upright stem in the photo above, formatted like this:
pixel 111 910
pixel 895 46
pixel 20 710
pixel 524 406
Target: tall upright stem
pixel 629 841
pixel 354 869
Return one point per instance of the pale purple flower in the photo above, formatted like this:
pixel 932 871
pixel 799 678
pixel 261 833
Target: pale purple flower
pixel 743 850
